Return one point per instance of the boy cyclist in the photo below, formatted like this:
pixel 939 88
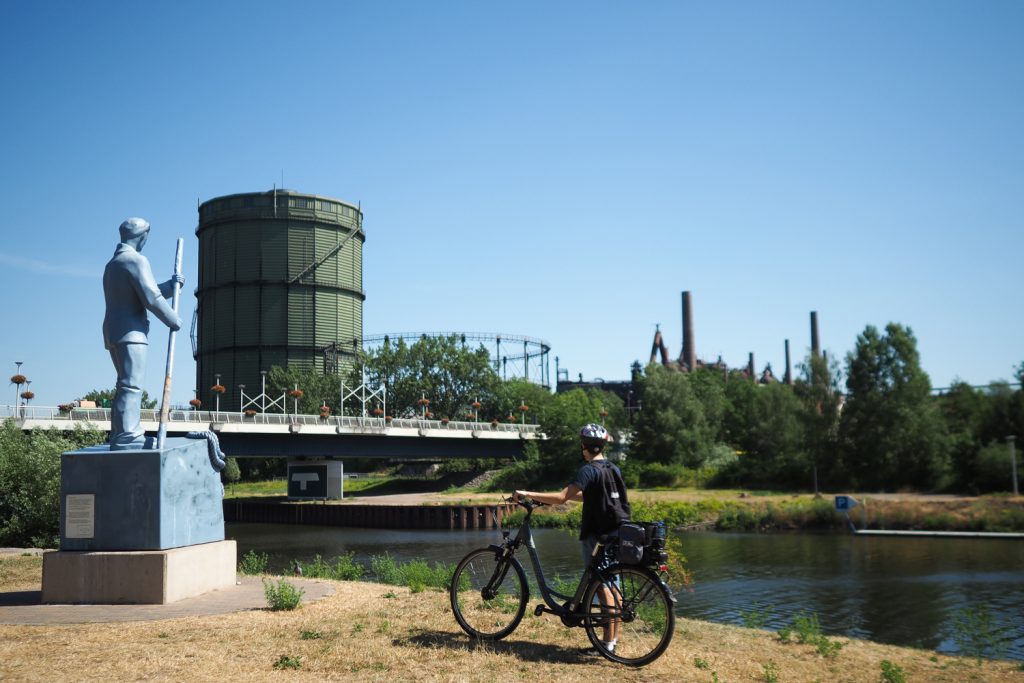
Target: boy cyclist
pixel 598 483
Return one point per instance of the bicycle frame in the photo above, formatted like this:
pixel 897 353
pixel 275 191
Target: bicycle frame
pixel 551 597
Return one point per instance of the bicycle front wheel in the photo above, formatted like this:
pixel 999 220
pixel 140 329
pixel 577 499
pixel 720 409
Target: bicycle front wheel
pixel 488 594
pixel 631 606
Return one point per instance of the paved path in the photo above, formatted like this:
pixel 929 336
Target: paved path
pixel 23 607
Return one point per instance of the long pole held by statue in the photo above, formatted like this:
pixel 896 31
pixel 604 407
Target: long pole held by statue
pixel 165 406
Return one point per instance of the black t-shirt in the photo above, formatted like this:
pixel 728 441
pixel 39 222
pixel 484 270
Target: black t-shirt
pixel 605 503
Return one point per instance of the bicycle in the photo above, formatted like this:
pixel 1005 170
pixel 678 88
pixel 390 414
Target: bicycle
pixel 489 593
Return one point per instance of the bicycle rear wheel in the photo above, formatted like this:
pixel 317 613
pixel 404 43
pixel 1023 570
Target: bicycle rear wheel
pixel 488 594
pixel 632 606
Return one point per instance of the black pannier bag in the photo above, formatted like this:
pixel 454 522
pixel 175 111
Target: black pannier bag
pixel 632 538
pixel 654 542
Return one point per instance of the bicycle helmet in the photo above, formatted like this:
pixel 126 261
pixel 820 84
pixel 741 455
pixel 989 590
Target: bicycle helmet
pixel 594 437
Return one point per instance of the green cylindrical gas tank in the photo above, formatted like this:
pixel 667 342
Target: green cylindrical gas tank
pixel 280 283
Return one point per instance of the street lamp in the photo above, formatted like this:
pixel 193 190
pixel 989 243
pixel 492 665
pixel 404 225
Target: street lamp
pixel 17 380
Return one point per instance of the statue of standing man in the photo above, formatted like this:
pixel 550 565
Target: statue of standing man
pixel 129 290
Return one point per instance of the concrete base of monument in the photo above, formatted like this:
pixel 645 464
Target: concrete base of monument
pixel 143 577
pixel 140 500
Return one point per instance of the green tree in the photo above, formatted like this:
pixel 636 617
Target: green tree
pixel 316 389
pixel 559 453
pixel 891 432
pixel 105 397
pixel 30 481
pixel 774 443
pixel 509 396
pixel 964 408
pixel 820 399
pixel 231 472
pixel 682 417
pixel 441 369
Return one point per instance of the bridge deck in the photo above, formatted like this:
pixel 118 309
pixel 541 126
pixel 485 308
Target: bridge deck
pixel 274 434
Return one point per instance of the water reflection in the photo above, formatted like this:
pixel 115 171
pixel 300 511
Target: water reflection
pixel 906 591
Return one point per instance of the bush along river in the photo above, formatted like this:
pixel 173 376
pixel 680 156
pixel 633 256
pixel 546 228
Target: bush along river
pixel 956 596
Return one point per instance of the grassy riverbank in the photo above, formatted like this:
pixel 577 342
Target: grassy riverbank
pixel 377 632
pixel 718 509
pixel 806 513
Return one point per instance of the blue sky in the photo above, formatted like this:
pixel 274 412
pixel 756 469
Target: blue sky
pixel 557 170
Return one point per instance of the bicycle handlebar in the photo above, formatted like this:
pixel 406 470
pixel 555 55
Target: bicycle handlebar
pixel 529 503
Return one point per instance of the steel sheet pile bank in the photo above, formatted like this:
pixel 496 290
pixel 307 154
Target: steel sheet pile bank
pixel 280 283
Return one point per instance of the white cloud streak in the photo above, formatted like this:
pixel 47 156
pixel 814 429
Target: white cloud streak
pixel 41 267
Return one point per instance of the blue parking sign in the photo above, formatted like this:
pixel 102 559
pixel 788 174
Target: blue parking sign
pixel 845 503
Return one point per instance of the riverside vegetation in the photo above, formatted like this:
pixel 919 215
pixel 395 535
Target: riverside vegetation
pixel 382 632
pixel 709 428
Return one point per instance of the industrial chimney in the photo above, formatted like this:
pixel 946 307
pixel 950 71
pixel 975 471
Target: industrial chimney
pixel 815 346
pixel 788 378
pixel 689 352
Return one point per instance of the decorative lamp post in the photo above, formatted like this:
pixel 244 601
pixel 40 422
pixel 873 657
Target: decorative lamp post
pixel 476 410
pixel 17 379
pixel 523 408
pixel 296 394
pixel 263 393
pixel 195 402
pixel 424 402
pixel 217 389
pixel 241 399
pixel 603 414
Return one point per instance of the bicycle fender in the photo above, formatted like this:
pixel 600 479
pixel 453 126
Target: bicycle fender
pixel 657 576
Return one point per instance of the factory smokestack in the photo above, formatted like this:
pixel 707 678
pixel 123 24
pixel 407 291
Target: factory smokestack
pixel 788 378
pixel 750 366
pixel 815 346
pixel 689 352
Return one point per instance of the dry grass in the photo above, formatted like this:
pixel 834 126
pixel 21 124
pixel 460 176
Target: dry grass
pixel 381 633
pixel 20 573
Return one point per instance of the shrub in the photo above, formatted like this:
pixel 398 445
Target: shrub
pixel 253 563
pixel 231 472
pixel 656 474
pixel 416 574
pixel 385 569
pixel 808 631
pixel 978 634
pixel 30 482
pixel 282 596
pixel 288 662
pixel 345 568
pixel 993 467
pixel 892 673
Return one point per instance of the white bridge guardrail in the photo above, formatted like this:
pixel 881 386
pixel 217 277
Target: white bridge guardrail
pixel 55 416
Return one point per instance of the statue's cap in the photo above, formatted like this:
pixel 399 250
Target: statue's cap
pixel 133 227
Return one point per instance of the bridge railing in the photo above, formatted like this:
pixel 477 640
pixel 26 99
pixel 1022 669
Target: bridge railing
pixel 83 415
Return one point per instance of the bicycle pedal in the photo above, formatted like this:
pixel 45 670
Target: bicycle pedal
pixel 539 610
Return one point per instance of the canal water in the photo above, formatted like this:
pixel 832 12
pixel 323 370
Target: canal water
pixel 904 591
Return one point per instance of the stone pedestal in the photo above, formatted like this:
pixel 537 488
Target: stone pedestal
pixel 140 500
pixel 154 577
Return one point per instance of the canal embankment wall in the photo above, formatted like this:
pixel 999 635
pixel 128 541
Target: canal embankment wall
pixel 972 515
pixel 370 516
